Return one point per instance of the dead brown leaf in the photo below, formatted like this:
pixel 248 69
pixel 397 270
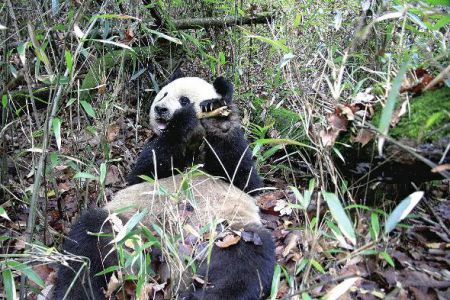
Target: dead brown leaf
pixel 363 137
pixel 113 285
pixel 338 122
pixel 112 132
pixel 291 241
pixel 441 168
pixel 228 240
pixel 112 175
pixel 328 137
pixel 102 86
pixel 268 201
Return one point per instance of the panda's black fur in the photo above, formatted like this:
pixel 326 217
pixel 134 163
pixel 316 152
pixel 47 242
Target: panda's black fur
pixel 226 153
pixel 241 271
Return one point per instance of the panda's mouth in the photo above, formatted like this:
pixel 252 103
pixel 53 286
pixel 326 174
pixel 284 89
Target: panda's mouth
pixel 161 124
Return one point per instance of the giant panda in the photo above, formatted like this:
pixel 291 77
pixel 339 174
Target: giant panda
pixel 173 117
pixel 241 271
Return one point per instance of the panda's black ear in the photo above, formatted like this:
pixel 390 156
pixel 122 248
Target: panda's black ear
pixel 224 88
pixel 176 74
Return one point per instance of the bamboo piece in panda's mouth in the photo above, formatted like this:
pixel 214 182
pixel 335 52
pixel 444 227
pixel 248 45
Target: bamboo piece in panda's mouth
pixel 223 111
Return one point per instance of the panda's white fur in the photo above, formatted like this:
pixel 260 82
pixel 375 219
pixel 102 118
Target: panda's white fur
pixel 169 97
pixel 216 200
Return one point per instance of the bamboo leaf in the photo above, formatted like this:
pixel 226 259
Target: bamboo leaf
pixel 135 219
pixel 27 270
pixel 21 48
pixel 339 215
pixel 340 289
pixel 280 44
pixel 402 210
pixel 388 109
pixel 9 285
pixel 102 173
pixel 166 37
pixel 3 214
pixel 275 282
pixel 57 131
pixel 88 108
pixel 117 44
pixel 69 60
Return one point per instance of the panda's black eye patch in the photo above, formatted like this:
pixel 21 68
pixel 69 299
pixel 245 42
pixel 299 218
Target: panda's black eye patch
pixel 184 101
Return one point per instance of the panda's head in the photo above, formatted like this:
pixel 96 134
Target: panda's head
pixel 183 91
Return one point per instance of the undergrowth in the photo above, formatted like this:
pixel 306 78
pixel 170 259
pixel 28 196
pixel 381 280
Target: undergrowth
pixel 78 78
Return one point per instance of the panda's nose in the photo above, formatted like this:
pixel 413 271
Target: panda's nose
pixel 161 110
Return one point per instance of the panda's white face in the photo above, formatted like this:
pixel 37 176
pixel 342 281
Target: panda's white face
pixel 177 94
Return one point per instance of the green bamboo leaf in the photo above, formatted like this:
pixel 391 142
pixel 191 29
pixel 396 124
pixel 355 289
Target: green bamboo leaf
pixel 402 210
pixel 339 215
pixel 69 60
pixel 107 270
pixel 9 285
pixel 135 219
pixel 3 214
pixel 280 44
pixel 275 282
pixel 166 37
pixel 387 258
pixel 375 225
pixel 117 44
pixel 388 109
pixel 57 131
pixel 88 108
pixel 4 100
pixel 102 173
pixel 27 270
pixel 304 202
pixel 21 48
pixel 317 266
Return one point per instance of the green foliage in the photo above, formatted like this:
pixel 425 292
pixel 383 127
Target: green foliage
pixel 428 115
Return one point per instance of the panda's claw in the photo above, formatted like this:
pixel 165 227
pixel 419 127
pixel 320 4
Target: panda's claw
pixel 211 107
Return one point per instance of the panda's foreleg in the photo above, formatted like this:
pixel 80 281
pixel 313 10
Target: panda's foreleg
pixel 91 251
pixel 228 155
pixel 243 271
pixel 172 150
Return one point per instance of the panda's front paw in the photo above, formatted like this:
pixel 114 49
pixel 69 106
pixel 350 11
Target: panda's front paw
pixel 212 104
pixel 183 121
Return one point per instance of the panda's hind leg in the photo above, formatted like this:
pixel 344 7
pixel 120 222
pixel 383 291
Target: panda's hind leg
pixel 80 243
pixel 243 271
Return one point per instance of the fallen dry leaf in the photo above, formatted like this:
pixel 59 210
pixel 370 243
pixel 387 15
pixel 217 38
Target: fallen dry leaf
pixel 291 241
pixel 112 131
pixel 112 175
pixel 441 168
pixel 113 285
pixel 228 240
pixel 328 137
pixel 363 137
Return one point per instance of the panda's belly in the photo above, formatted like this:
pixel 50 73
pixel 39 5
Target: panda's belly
pixel 205 200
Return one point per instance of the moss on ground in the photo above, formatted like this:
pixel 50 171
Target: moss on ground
pixel 428 120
